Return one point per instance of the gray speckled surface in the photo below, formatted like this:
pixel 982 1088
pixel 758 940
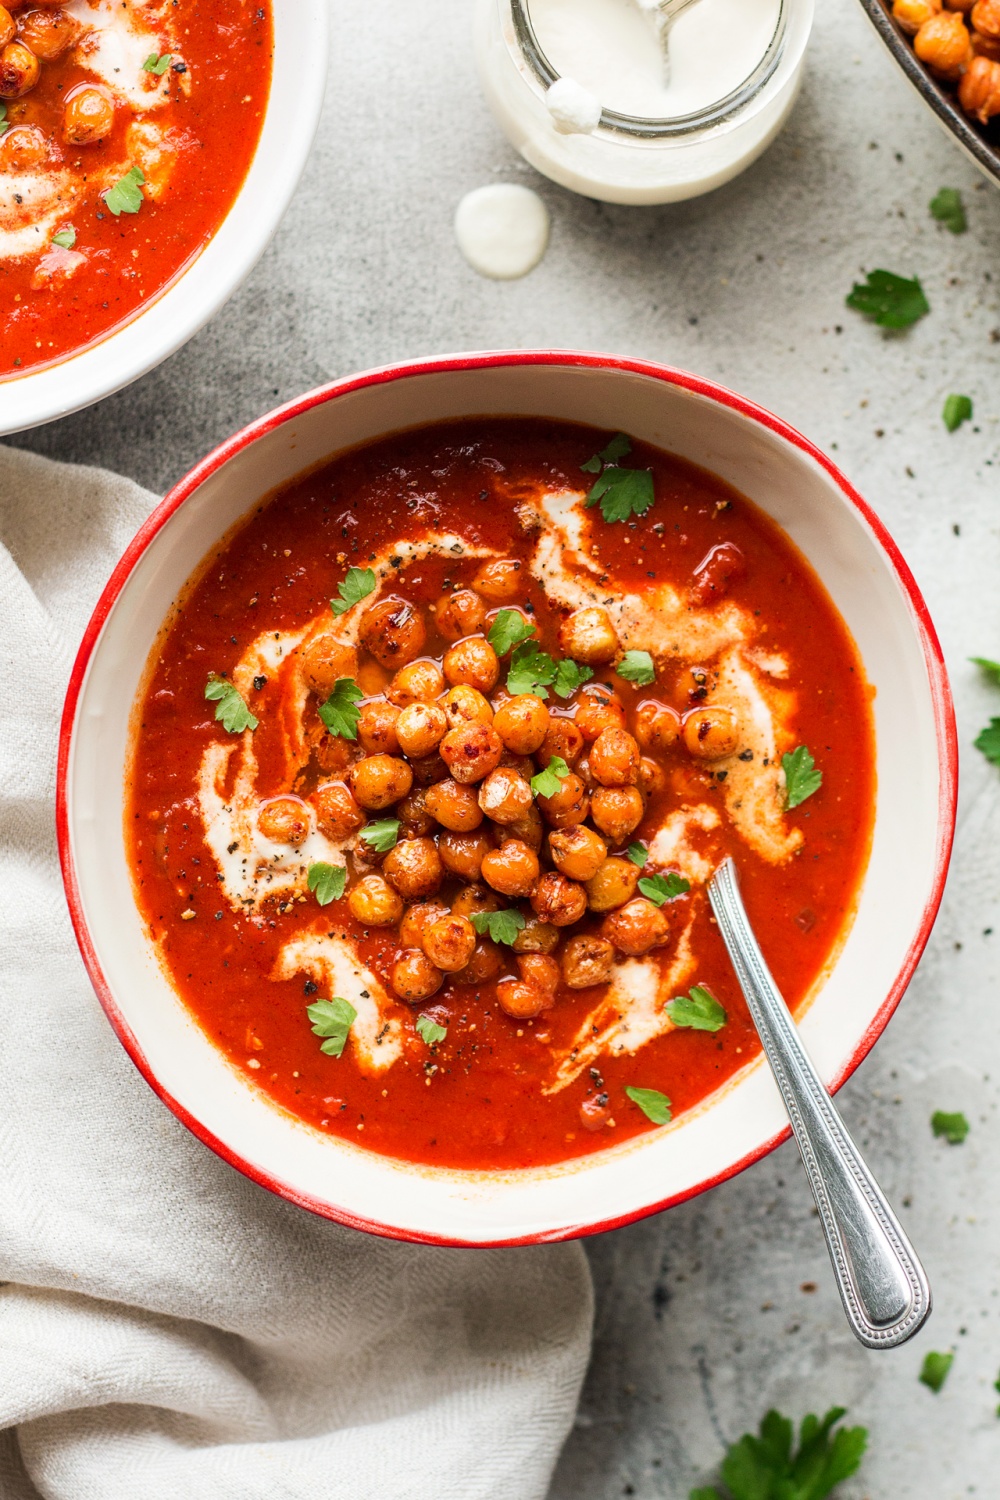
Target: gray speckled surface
pixel 702 1323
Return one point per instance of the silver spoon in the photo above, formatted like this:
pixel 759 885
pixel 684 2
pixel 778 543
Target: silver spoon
pixel 663 14
pixel 882 1284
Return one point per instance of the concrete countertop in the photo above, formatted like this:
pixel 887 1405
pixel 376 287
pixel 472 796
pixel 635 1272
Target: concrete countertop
pixel 707 1315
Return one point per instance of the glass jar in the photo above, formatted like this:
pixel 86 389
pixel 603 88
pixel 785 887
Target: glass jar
pixel 626 158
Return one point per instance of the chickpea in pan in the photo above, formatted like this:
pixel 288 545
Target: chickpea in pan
pixel 418 682
pixel 562 738
pixel 472 663
pixel 414 978
pixel 417 918
pixel 420 728
pixel 612 885
pixel 374 903
pixel 617 811
pixel 454 805
pixel 523 1001
pixel 450 942
pixel 471 752
pixel 47 32
pixel 589 636
pixel 459 614
pixel 568 806
pixel 393 632
pixel 614 758
pixel 20 70
pixel 484 965
pixel 597 711
pixel 540 970
pixel 500 581
pixel 558 900
pixel 337 813
pixel 513 869
pixel 474 899
pixel 587 960
pixel 414 867
pixel 505 796
pixel 23 149
pixel 462 854
pixel 415 819
pixel 979 90
pixel 8 26
pixel 910 15
pixel 536 936
pixel 377 727
pixel 466 705
pixel 711 732
pixel 380 780
pixel 529 829
pixel 89 117
pixel 428 770
pixel 324 660
pixel 522 722
pixel 657 727
pixel 943 44
pixel 286 820
pixel 577 852
pixel 636 927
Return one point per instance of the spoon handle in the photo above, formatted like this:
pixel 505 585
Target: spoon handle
pixel 882 1284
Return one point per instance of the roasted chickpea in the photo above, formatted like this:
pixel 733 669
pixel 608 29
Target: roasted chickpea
pixel 635 927
pixel 540 970
pixel 414 867
pixel 286 820
pixel 979 90
pixel 474 899
pixel 963 5
pixel 986 46
pixel 420 727
pixel 522 764
pixel 562 738
pixel 455 806
pixel 374 903
pixel 985 17
pixel 417 918
pixel 598 711
pixel 512 869
pixel 567 806
pixel 89 117
pixel 943 44
pixel 23 149
pixel 428 770
pixel 499 581
pixel 449 942
pixel 337 813
pixel 486 961
pixel 711 732
pixel 612 885
pixel 657 727
pixel 523 1001
pixel 19 71
pixel 417 682
pixel 459 614
pixel 529 829
pixel 653 778
pixel 393 631
pixel 324 660
pixel 589 636
pixel 617 811
pixel 505 796
pixel 380 780
pixel 377 728
pixel 8 26
pixel 522 723
pixel 465 705
pixel 558 900
pixel 509 609
pixel 414 977
pixel 587 960
pixel 577 852
pixel 463 853
pixel 910 15
pixel 471 752
pixel 536 936
pixel 472 663
pixel 47 32
pixel 415 819
pixel 614 758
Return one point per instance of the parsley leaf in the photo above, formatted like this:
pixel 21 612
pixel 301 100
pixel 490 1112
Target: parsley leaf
pixel 954 1128
pixel 991 668
pixel 359 583
pixel 502 926
pixel 948 209
pixel 638 854
pixel 327 881
pixel 546 783
pixel 530 670
pixel 4 122
pixel 699 1011
pixel 508 630
pixel 801 777
pixel 622 493
pixel 988 741
pixel 660 888
pixel 332 1019
pixel 616 449
pixel 338 712
pixel 654 1105
pixel 157 65
pixel 637 667
pixel 891 301
pixel 934 1370
pixel 126 196
pixel 232 712
pixel 767 1468
pixel 996 1387
pixel 957 409
pixel 382 835
pixel 569 676
pixel 65 239
pixel 430 1031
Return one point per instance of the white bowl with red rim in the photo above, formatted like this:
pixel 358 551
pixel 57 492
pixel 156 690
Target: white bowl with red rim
pixel 170 318
pixel 914 819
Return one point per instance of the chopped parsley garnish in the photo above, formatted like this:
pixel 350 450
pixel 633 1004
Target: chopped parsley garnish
pixel 327 881
pixel 333 1020
pixel 991 668
pixel 638 854
pixel 547 782
pixel 530 671
pixel 622 492
pixel 381 835
pixel 661 888
pixel 502 926
pixel 231 711
pixel 934 1370
pixel 654 1105
pixel 768 1467
pixel 619 445
pixel 430 1031
pixel 65 239
pixel 988 741
pixel 359 583
pixel 126 196
pixel 158 65
pixel 801 777
pixel 952 1127
pixel 889 300
pixel 996 1387
pixel 947 207
pixel 508 630
pixel 698 1011
pixel 569 676
pixel 339 713
pixel 957 409
pixel 637 667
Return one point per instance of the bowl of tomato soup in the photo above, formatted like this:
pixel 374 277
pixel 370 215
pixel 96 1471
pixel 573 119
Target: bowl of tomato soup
pixel 400 749
pixel 147 154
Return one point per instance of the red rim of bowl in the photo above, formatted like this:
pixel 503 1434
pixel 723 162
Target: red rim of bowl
pixel 944 719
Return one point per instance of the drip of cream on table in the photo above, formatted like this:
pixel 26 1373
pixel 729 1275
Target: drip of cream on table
pixel 502 230
pixel 611 49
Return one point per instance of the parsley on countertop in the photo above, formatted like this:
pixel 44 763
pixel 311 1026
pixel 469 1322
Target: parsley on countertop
pixel 951 1127
pixel 934 1370
pixel 956 410
pixel 889 300
pixel 768 1467
pixel 947 207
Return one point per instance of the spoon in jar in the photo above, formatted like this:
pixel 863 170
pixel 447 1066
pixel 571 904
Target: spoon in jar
pixel 881 1282
pixel 663 14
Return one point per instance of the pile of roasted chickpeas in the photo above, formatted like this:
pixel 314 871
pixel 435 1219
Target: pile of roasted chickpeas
pixel 449 752
pixel 41 31
pixel 959 41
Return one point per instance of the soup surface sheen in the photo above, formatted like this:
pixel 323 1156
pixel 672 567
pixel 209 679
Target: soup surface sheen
pixel 543 1036
pixel 126 130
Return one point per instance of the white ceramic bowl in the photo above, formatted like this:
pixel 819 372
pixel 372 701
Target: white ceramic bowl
pixel 868 580
pixel 301 31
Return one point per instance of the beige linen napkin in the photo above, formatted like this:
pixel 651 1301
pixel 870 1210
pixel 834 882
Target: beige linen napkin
pixel 167 1329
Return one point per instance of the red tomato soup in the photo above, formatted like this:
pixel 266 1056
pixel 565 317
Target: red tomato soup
pixel 433 764
pixel 126 131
